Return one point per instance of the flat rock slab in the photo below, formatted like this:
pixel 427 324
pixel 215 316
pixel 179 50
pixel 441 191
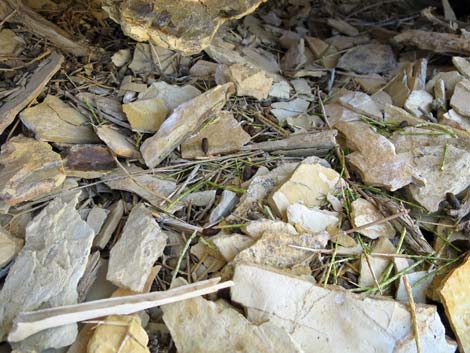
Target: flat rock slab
pixel 361 103
pixel 201 326
pixel 30 169
pixel 55 121
pixel 184 121
pixel 364 212
pixel 461 97
pixel 249 81
pixel 368 59
pixel 141 243
pixel 312 220
pixel 360 324
pixel 47 270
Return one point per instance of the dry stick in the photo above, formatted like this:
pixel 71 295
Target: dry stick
pixel 413 313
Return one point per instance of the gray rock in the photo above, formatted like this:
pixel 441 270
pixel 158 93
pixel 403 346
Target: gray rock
pixel 368 59
pixel 46 271
pixel 141 244
pixel 227 202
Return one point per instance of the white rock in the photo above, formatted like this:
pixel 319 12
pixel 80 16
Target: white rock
pixel 255 229
pixel 229 245
pixel 310 219
pixel 172 95
pixel 419 99
pixel 141 243
pixel 454 119
pixel 419 282
pixel 376 264
pixel 283 110
pixel 280 90
pixel 364 212
pixel 301 86
pixel 96 218
pixel 361 103
pixel 461 97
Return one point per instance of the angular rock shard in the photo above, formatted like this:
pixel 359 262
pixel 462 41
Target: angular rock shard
pixel 47 270
pixel 313 220
pixel 141 243
pixel 249 81
pixel 360 324
pixel 184 121
pixel 146 115
pixel 117 142
pixel 364 212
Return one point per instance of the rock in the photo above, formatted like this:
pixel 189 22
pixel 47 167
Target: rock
pixel 311 220
pixel 146 115
pixel 255 229
pixel 454 296
pixel 280 90
pixel 10 246
pixel 183 122
pixel 121 57
pixel 30 169
pixel 96 218
pixel 116 212
pixel 301 86
pixel 46 272
pixel 419 102
pixel 337 112
pixel 295 56
pixel 375 157
pixel 419 282
pixel 249 81
pixel 172 95
pixel 224 135
pixel 450 78
pixel 361 103
pixel 376 265
pixel 346 42
pixel 198 325
pixel 283 110
pixel 10 43
pixel 227 202
pixel 203 69
pixel 454 119
pixel 117 142
pixel 439 42
pixel 326 53
pixel 393 114
pixel 119 333
pixel 461 97
pixel 153 59
pixel 149 186
pixel 364 212
pixel 463 65
pixel 360 324
pixel 343 27
pixel 230 245
pixel 368 59
pixel 55 121
pixel 186 26
pixel 309 184
pixel 141 243
pixel 88 161
pixel 371 83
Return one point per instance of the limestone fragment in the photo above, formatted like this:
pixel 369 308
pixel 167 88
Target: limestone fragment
pixel 301 86
pixel 10 43
pixel 368 59
pixel 326 53
pixel 172 95
pixel 419 282
pixel 141 243
pixel 121 57
pixel 419 102
pixel 280 90
pixel 183 122
pixel 117 142
pixel 249 81
pixel 146 115
pixel 360 324
pixel 150 187
pixel 461 97
pixel 198 325
pixel 454 119
pixel 9 246
pixel 396 115
pixel 375 157
pixel 336 112
pixel 227 202
pixel 255 229
pixel 47 270
pixel 116 212
pixel 309 183
pixel 454 296
pixel 283 110
pixel 450 78
pixel 96 218
pixel 361 103
pixel 229 245
pixel 364 212
pixel 153 59
pixel 373 267
pixel 463 65
pixel 30 169
pixel 371 83
pixel 312 220
pixel 55 121
pixel 224 135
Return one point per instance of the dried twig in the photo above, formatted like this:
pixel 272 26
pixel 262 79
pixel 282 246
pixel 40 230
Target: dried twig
pixel 413 313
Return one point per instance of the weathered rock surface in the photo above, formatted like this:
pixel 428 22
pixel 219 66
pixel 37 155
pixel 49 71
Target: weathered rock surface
pixel 284 110
pixel 172 95
pixel 461 97
pixel 55 121
pixel 419 282
pixel 187 26
pixel 183 122
pixel 146 115
pixel 313 220
pixel 373 267
pixel 47 270
pixel 9 246
pixel 360 324
pixel 29 169
pixel 363 212
pixel 368 59
pixel 249 81
pixel 230 245
pixel 117 142
pixel 419 102
pixel 201 326
pixel 361 103
pixel 141 243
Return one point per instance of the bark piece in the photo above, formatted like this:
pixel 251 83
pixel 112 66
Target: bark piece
pixel 461 97
pixel 141 243
pixel 186 26
pixel 117 142
pixel 454 296
pixel 30 169
pixel 47 270
pixel 224 135
pixel 375 157
pixel 435 41
pixel 148 186
pixel 199 325
pixel 146 115
pixel 361 103
pixel 312 220
pixel 359 324
pixel 309 184
pixel 36 83
pixel 368 59
pixel 88 161
pixel 364 212
pixel 10 246
pixel 55 121
pixel 249 81
pixel 184 121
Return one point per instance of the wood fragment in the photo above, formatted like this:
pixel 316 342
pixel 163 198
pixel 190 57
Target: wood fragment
pixel 435 41
pixel 413 313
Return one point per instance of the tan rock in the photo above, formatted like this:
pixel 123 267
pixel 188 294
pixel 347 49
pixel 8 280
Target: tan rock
pixel 255 229
pixel 30 169
pixel 371 83
pixel 461 97
pixel 121 57
pixel 146 115
pixel 361 103
pixel 419 102
pixel 454 119
pixel 117 142
pixel 183 122
pixel 393 114
pixel 55 121
pixel 10 43
pixel 309 184
pixel 119 333
pixel 326 53
pixel 10 246
pixel 224 134
pixel 336 112
pixel 364 212
pixel 249 81
pixel 450 78
pixel 312 220
pixel 230 245
pixel 454 296
pixel 463 65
